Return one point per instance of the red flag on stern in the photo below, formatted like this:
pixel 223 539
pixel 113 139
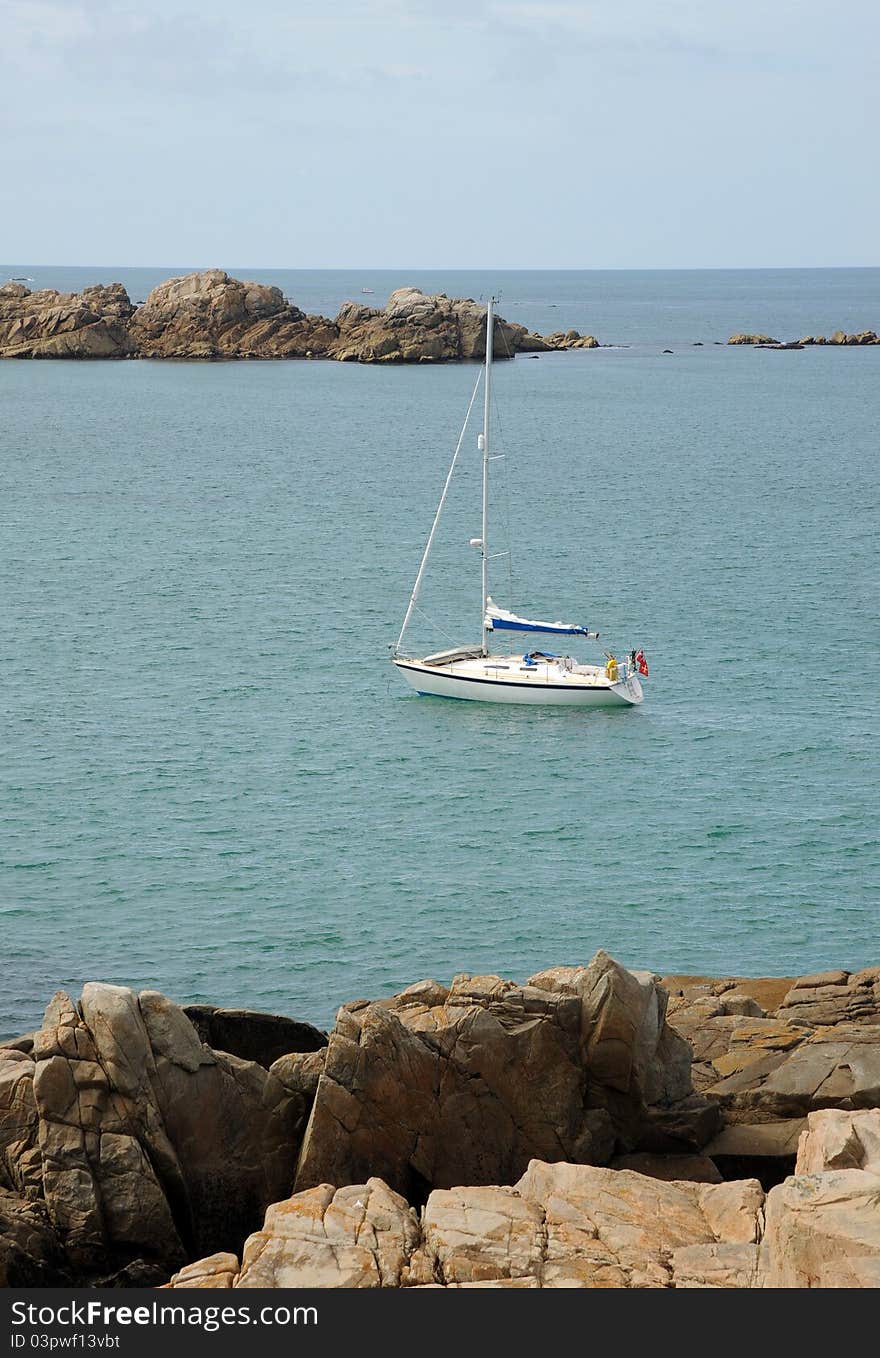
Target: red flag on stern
pixel 641 663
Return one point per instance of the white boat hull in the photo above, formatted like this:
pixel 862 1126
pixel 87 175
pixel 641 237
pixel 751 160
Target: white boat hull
pixel 503 679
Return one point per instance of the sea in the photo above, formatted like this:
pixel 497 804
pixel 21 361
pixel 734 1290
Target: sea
pixel 213 782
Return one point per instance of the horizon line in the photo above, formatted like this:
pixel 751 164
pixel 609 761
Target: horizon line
pixel 449 268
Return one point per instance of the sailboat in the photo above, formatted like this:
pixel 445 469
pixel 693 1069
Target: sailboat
pixel 483 675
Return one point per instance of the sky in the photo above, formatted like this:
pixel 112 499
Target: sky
pixel 572 134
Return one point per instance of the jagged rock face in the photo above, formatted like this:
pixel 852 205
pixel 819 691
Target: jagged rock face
pixel 210 315
pixel 438 1087
pixel 139 1142
pixel 415 328
pixel 50 324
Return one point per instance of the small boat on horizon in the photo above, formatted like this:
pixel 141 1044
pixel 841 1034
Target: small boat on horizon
pixel 366 290
pixel 474 672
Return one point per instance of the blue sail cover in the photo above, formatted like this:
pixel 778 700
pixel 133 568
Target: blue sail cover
pixel 501 620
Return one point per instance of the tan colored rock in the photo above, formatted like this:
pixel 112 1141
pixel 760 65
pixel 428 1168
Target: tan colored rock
pixel 50 324
pixel 144 1145
pixel 437 1087
pixel 737 1002
pixel 837 1139
pixel 481 1234
pixel 833 997
pixel 751 339
pixel 715 1266
pixel 570 339
pixel 603 1222
pixel 725 1044
pixel 836 1067
pixel 560 1226
pixel 766 991
pixel 210 315
pixel 362 1235
pixel 823 1230
pixel 218 1270
pixel 415 328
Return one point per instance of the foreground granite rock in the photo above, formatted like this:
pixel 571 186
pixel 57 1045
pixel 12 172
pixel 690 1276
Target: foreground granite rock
pixel 564 1225
pixel 823 1224
pixel 141 1146
pixel 561 1225
pixel 209 315
pixel 438 1087
pixel 452 1136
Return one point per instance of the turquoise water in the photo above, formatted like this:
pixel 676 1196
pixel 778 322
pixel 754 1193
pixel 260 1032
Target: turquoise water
pixel 213 782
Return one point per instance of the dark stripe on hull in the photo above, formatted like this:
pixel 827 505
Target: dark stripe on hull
pixel 507 683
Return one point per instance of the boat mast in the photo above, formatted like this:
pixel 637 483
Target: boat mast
pixel 484 440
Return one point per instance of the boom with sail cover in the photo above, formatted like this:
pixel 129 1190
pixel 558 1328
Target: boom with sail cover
pixel 502 620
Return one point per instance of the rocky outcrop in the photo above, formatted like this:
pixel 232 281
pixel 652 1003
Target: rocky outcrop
pixel 209 315
pixel 140 1146
pixel 839 337
pixel 415 328
pixel 831 997
pixel 437 1087
pixel 818 1047
pixel 485 1134
pixel 557 339
pixel 48 324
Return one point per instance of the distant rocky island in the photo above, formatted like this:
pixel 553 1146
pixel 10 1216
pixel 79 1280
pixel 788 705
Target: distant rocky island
pixel 209 315
pixel 839 337
pixel 591 1127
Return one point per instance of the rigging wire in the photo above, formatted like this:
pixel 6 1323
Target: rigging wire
pixel 421 571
